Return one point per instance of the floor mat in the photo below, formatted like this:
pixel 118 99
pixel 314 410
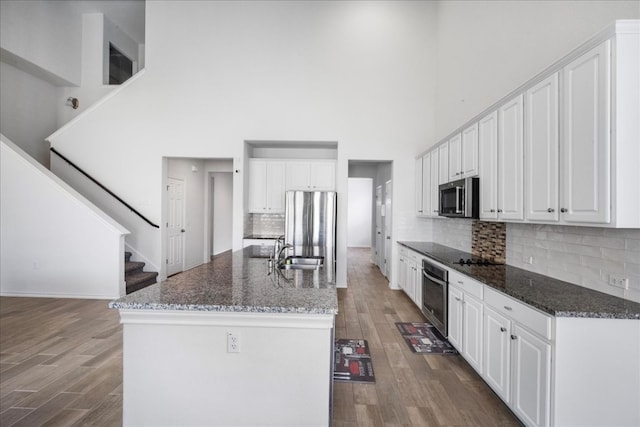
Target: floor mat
pixel 352 361
pixel 425 338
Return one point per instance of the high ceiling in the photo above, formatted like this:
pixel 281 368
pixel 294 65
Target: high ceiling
pixel 128 15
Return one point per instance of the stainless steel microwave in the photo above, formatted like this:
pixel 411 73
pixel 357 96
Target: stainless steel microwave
pixel 460 199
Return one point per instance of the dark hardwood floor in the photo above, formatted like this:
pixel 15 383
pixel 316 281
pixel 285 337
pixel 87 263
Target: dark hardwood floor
pixel 61 364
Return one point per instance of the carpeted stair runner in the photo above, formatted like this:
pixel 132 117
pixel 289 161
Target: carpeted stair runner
pixel 134 277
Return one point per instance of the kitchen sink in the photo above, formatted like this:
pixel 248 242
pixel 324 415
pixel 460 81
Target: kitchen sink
pixel 302 263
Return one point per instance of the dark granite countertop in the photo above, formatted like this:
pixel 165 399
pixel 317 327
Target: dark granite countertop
pixel 556 297
pixel 241 282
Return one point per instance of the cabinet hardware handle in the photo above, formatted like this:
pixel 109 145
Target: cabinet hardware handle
pixel 551 210
pixel 457 299
pixel 435 210
pixel 419 211
pixel 506 307
pixel 492 210
pixel 563 210
pixel 499 210
pixel 503 329
pixel 514 337
pixel 461 282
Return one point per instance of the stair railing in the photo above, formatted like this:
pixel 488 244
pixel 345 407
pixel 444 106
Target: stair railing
pixel 53 150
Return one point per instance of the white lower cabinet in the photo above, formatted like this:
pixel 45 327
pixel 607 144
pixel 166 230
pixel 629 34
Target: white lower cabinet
pixel 517 362
pixel 465 324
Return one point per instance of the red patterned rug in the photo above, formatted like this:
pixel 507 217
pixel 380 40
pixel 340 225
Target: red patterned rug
pixel 425 338
pixel 352 361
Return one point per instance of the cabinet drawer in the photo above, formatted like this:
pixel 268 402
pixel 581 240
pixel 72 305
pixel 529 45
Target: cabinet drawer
pixel 535 320
pixel 414 256
pixel 467 284
pixel 403 250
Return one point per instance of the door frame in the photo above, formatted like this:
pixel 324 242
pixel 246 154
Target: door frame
pixel 183 233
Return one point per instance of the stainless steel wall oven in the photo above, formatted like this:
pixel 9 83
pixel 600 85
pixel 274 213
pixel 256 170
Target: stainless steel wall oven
pixel 435 287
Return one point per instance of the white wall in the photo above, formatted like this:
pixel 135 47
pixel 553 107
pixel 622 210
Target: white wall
pixel 27 111
pixel 488 48
pixel 54 242
pixel 43 37
pixel 194 185
pixel 359 218
pixel 222 209
pixel 359 73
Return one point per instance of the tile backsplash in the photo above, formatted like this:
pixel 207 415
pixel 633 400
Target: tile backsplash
pixel 455 233
pixel 585 256
pixel 489 240
pixel 264 225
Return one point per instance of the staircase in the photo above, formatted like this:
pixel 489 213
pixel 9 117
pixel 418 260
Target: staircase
pixel 134 277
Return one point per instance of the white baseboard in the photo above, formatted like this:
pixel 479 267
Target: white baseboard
pixel 55 295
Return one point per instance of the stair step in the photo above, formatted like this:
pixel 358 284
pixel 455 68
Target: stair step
pixel 140 280
pixel 132 266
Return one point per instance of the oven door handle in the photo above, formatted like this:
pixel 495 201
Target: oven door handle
pixel 433 279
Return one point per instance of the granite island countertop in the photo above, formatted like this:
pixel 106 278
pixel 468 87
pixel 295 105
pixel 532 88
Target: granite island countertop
pixel 553 296
pixel 240 281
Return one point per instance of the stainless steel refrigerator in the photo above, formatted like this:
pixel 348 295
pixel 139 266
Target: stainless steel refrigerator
pixel 310 222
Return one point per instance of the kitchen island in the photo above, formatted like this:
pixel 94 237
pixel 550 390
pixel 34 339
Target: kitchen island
pixel 231 342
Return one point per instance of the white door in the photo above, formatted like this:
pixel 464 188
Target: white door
pixel 455 152
pixel 497 353
pixel 531 377
pixel 455 317
pixel 472 332
pixel 435 190
pixel 541 151
pixel 469 156
pixel 419 198
pixel 488 165
pixel 585 161
pixel 387 228
pixel 175 226
pixel 443 163
pixel 510 160
pixel 379 224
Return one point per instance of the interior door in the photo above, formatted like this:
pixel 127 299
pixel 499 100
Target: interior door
pixel 387 228
pixel 175 226
pixel 379 241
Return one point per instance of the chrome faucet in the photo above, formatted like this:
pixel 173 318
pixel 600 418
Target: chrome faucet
pixel 277 247
pixel 282 249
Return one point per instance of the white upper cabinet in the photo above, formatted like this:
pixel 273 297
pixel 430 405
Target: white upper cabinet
pixel 311 175
pixel 541 151
pixel 586 147
pixel 510 160
pixel 419 190
pixel 443 163
pixel 266 186
pixel 455 154
pixel 488 165
pixel 469 156
pixel 434 193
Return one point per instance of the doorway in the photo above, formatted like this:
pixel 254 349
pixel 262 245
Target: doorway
pixel 379 220
pixel 220 215
pixel 175 226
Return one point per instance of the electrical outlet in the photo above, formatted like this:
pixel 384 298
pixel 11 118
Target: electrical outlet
pixel 233 342
pixel 618 282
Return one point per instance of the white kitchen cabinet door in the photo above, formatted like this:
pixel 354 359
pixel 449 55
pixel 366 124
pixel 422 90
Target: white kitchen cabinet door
pixel 417 288
pixel 469 155
pixel 402 270
pixel 585 161
pixel 419 187
pixel 455 316
pixel 510 160
pixel 488 165
pixel 434 203
pixel 455 152
pixel 322 175
pixel 472 332
pixel 531 377
pixel 412 284
pixel 443 163
pixel 426 184
pixel 497 353
pixel 266 186
pixel 275 186
pixel 297 175
pixel 541 151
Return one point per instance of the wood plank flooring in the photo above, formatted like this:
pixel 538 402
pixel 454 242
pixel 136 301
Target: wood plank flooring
pixel 411 389
pixel 61 364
